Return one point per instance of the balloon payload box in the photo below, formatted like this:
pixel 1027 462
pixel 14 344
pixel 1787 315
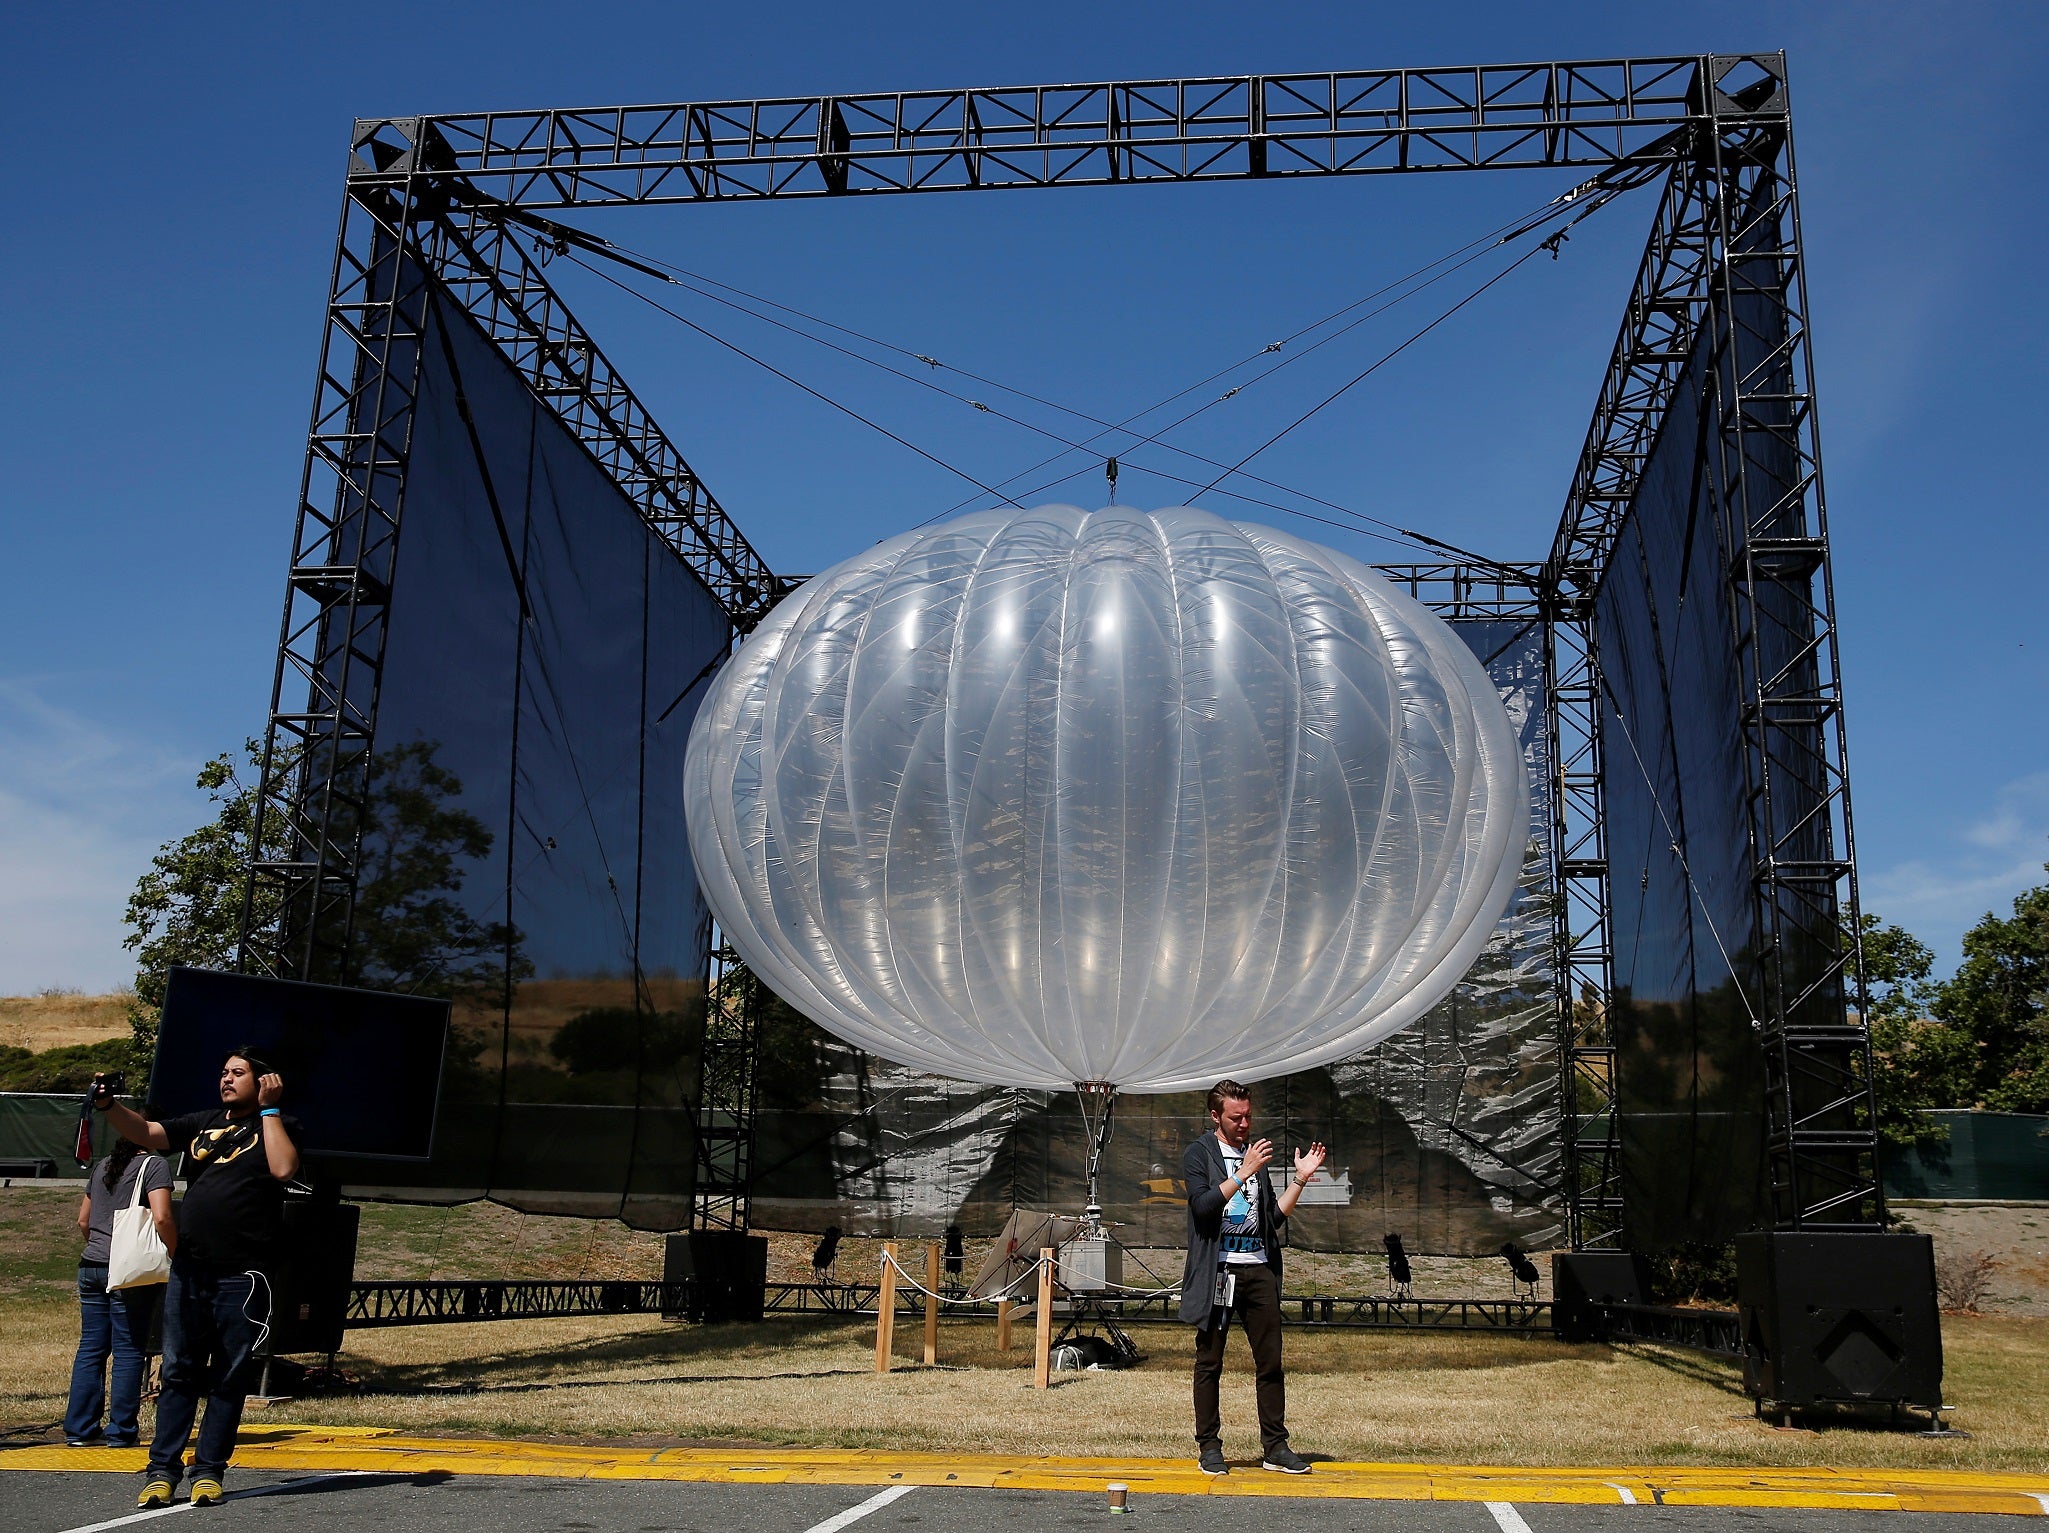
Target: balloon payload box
pixel 1091 1264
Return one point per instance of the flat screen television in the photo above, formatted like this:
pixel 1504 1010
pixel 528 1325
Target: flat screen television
pixel 362 1068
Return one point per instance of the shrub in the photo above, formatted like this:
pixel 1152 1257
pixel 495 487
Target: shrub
pixel 1696 1272
pixel 1962 1278
pixel 70 1068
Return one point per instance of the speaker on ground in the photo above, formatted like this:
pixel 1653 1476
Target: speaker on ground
pixel 726 1270
pixel 1839 1319
pixel 1583 1281
pixel 311 1303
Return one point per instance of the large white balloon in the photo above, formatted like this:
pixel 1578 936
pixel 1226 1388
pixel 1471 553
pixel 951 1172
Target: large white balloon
pixel 1046 797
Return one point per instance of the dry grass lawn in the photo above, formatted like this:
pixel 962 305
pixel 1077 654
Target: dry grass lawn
pixel 55 1021
pixel 1352 1394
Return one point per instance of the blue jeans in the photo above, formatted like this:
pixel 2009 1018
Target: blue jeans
pixel 213 1321
pixel 109 1324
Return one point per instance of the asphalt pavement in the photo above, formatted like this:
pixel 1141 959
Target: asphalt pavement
pixel 436 1502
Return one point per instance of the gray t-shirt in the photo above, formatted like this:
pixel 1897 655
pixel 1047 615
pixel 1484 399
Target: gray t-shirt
pixel 155 1172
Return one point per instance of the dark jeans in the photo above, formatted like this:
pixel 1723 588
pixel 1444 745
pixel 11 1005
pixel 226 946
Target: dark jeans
pixel 109 1324
pixel 213 1320
pixel 1258 1309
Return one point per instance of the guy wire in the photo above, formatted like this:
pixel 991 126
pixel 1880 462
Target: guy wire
pixel 1396 534
pixel 681 276
pixel 1515 228
pixel 563 236
pixel 1679 852
pixel 740 351
pixel 1551 243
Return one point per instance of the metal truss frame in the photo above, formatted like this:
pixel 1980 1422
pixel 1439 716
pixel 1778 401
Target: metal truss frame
pixel 372 1306
pixel 725 1099
pixel 1598 113
pixel 1821 1130
pixel 1473 592
pixel 380 1305
pixel 402 249
pixel 435 211
pixel 1338 1311
pixel 1722 277
pixel 1719 1331
pixel 313 782
pixel 1581 943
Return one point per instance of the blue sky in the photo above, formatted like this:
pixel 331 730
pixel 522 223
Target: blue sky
pixel 172 186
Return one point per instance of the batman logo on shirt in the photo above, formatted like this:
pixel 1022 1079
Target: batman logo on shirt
pixel 218 1146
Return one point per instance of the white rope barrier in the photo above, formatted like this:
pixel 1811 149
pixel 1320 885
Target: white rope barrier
pixel 1040 1273
pixel 1030 1274
pixel 1142 1293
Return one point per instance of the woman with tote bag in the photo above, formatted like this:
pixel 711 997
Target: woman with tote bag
pixel 114 1322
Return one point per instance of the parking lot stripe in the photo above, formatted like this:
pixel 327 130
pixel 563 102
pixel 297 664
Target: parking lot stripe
pixel 1510 1520
pixel 233 1495
pixel 854 1514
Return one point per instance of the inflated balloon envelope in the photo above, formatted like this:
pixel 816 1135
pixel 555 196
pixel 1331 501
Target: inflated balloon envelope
pixel 1130 799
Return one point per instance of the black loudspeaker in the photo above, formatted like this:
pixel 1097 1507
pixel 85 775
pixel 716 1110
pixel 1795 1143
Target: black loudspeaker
pixel 153 1331
pixel 727 1271
pixel 1839 1319
pixel 312 1279
pixel 1583 1281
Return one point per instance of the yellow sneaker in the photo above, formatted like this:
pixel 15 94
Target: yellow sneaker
pixel 156 1493
pixel 206 1492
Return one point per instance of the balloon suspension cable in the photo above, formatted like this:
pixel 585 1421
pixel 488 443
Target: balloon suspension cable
pixel 1099 1131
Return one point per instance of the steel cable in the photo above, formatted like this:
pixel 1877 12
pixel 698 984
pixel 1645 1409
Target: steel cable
pixel 827 399
pixel 1394 535
pixel 1492 239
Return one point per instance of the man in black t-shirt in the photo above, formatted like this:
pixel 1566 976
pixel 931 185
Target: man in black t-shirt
pixel 238 1158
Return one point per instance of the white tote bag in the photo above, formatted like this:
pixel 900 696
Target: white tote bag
pixel 136 1256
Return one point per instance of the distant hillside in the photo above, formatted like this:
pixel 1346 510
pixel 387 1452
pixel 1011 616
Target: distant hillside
pixel 40 1022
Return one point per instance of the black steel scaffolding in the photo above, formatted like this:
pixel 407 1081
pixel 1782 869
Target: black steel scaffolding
pixel 446 206
pixel 725 1103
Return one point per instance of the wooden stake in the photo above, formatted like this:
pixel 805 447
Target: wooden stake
pixel 885 1309
pixel 1003 1309
pixel 931 1304
pixel 1042 1363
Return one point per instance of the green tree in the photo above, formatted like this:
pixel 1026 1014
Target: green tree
pixel 1998 1000
pixel 69 1068
pixel 1917 1062
pixel 187 909
pixel 412 933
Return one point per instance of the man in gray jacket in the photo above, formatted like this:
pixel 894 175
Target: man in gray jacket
pixel 1235 1223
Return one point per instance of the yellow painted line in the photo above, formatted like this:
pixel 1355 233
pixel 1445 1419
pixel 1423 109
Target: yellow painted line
pixel 279 1447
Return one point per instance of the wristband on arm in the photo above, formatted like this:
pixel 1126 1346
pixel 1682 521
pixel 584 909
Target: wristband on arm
pixel 271 1112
